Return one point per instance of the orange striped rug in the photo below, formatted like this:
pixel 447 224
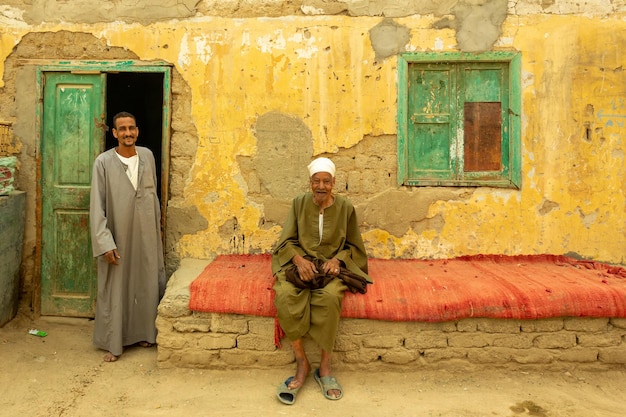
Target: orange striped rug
pixel 492 286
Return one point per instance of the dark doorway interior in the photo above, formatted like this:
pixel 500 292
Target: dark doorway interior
pixel 139 93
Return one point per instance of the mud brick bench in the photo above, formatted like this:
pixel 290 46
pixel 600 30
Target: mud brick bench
pixel 546 311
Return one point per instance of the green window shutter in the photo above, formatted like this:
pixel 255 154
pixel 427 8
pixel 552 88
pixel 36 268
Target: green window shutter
pixel 458 119
pixel 432 110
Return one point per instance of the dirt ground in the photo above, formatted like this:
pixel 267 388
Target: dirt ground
pixel 62 374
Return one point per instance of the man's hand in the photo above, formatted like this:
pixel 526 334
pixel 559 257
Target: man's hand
pixel 112 256
pixel 306 268
pixel 332 266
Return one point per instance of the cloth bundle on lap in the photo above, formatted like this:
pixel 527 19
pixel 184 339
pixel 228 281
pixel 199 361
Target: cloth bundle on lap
pixel 354 282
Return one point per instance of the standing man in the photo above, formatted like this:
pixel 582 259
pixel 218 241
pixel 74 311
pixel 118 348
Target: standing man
pixel 320 240
pixel 125 219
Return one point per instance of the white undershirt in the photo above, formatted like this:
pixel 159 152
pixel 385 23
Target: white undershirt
pixel 131 166
pixel 321 226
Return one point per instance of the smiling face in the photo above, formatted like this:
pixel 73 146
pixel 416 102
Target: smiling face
pixel 126 132
pixel 322 186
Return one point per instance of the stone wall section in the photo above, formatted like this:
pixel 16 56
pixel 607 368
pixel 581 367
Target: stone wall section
pixel 225 341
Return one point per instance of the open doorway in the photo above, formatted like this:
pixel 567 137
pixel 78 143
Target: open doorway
pixel 78 102
pixel 141 94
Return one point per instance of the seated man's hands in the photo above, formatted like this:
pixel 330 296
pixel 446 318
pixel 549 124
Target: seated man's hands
pixel 307 270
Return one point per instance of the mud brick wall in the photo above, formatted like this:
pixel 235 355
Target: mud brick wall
pixel 224 341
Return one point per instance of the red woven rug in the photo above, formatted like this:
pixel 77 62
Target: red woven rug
pixel 494 286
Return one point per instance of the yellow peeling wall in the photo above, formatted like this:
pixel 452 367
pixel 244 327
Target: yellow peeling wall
pixel 322 70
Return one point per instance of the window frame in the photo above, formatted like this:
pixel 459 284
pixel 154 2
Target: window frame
pixel 510 174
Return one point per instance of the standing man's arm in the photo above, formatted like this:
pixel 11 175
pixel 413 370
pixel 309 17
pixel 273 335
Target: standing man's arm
pixel 102 240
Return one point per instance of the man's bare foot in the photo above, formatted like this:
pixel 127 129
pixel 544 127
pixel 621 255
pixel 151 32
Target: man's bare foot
pixel 146 344
pixel 334 393
pixel 302 371
pixel 325 370
pixel 109 357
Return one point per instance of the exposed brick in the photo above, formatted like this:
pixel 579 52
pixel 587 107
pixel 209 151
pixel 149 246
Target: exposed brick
pixel 261 326
pixel 586 324
pixel 173 307
pixel 229 323
pixel 530 356
pixel 489 355
pixel 173 340
pixel 618 322
pixel 579 355
pixel 345 343
pixel 469 340
pixel 237 358
pixel 467 325
pixel 223 341
pixel 436 355
pixel 383 342
pixel 519 341
pixel 613 355
pixel 416 327
pixel 163 324
pixel 542 326
pixel 354 182
pixel 556 340
pixel 192 324
pixel 600 339
pixel 399 356
pixel 255 342
pixel 363 355
pixel 356 326
pixel 426 340
pixel 212 341
pixel 498 326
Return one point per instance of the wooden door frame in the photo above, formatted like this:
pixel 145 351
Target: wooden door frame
pixel 94 67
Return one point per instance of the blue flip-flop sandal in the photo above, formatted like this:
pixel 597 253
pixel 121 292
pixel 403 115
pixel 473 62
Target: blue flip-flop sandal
pixel 328 383
pixel 285 394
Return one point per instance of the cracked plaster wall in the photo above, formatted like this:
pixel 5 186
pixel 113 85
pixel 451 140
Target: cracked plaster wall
pixel 254 98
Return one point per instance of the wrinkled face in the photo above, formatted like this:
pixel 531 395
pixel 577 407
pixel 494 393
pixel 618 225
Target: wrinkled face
pixel 126 131
pixel 322 186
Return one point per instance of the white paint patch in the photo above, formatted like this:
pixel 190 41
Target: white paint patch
pixel 203 49
pixel 307 52
pixel 183 56
pixel 271 42
pixel 309 48
pixel 245 38
pixel 531 176
pixel 438 44
pixel 503 195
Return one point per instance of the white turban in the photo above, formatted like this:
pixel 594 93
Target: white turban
pixel 321 165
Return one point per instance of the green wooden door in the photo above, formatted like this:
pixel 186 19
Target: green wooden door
pixel 72 137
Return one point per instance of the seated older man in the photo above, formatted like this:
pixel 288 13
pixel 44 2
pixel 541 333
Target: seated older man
pixel 319 255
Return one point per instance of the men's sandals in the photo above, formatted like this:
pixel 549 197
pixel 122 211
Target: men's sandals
pixel 285 394
pixel 328 383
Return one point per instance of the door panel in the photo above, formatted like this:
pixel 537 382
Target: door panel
pixel 72 137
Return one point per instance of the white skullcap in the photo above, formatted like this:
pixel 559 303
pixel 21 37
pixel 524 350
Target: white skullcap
pixel 321 165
